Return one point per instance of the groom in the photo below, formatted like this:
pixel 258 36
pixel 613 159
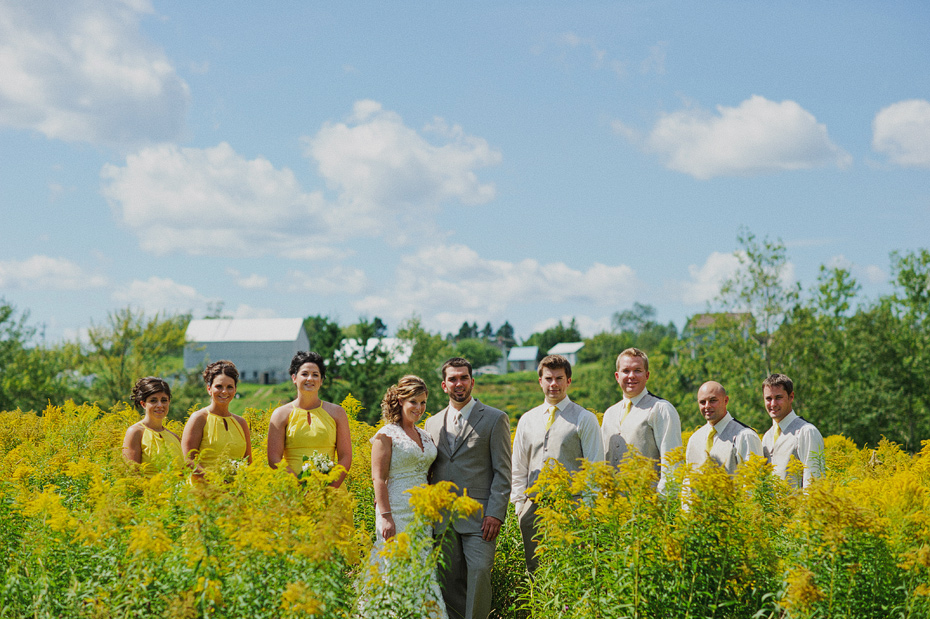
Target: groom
pixel 473 441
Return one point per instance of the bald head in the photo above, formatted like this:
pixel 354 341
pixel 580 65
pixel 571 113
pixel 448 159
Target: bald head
pixel 712 400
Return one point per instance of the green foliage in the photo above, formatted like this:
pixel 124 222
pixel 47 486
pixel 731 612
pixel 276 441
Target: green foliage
pixel 30 375
pixel 131 345
pixel 325 336
pixel 479 352
pixel 760 288
pixel 365 371
pixel 430 351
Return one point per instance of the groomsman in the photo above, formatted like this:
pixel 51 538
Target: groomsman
pixel 791 438
pixel 640 419
pixel 559 429
pixel 473 444
pixel 722 439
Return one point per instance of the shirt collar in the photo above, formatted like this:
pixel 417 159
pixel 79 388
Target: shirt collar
pixel 786 421
pixel 561 405
pixel 635 399
pixel 466 410
pixel 722 424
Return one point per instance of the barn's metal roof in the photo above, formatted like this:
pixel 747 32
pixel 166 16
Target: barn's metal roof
pixel 523 353
pixel 244 330
pixel 566 348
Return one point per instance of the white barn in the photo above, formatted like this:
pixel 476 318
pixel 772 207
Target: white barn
pixel 261 348
pixel 522 358
pixel 569 350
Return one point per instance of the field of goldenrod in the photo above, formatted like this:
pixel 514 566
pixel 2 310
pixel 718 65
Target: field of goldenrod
pixel 83 535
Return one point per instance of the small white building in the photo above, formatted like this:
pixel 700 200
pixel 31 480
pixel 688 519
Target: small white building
pixel 262 349
pixel 522 358
pixel 569 350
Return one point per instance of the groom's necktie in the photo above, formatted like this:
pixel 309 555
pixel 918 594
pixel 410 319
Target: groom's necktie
pixel 457 424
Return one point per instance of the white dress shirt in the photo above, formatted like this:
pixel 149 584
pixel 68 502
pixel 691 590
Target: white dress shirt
pixel 573 436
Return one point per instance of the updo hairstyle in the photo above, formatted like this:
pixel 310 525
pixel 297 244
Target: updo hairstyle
pixel 392 408
pixel 149 386
pixel 303 357
pixel 226 368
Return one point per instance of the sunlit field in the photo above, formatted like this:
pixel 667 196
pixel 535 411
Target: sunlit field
pixel 83 535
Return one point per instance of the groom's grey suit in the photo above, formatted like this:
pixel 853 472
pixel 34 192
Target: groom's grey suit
pixel 479 461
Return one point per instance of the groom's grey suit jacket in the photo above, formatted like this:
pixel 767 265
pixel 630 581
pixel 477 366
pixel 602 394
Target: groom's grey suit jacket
pixel 479 461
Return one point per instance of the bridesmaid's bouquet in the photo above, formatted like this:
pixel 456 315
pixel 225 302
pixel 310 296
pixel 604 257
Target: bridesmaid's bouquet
pixel 317 462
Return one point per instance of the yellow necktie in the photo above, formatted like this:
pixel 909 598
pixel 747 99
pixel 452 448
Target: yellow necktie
pixel 777 432
pixel 710 438
pixel 551 418
pixel 629 407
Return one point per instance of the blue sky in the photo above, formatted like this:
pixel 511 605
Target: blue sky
pixel 476 161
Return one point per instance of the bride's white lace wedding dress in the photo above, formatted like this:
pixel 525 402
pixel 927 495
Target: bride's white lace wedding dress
pixel 409 467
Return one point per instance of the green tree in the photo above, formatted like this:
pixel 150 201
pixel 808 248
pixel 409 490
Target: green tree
pixel 478 351
pixel 364 370
pixel 430 351
pixel 910 272
pixel 31 375
pixel 505 335
pixel 820 353
pixel 325 337
pixel 759 287
pixel 129 346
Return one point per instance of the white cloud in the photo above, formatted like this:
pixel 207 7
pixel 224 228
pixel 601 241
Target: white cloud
pixel 387 178
pixel 46 273
pixel 441 277
pixel 83 71
pixel 214 201
pixel 758 136
pixel 383 170
pixel 333 281
pixel 159 294
pixel 706 279
pixel 599 56
pixel 247 311
pixel 655 62
pixel 251 282
pixel 902 132
pixel 875 274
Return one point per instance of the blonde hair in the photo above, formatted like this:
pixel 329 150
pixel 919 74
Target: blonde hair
pixel 392 407
pixel 634 352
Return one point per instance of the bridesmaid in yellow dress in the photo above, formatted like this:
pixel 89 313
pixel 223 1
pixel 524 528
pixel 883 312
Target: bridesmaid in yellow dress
pixel 308 425
pixel 148 442
pixel 213 437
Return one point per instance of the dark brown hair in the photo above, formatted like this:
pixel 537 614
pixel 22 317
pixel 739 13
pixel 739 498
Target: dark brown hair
pixel 555 362
pixel 148 386
pixel 303 357
pixel 779 380
pixel 226 368
pixel 455 362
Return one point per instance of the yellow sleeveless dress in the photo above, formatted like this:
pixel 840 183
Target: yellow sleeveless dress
pixel 159 451
pixel 223 440
pixel 304 439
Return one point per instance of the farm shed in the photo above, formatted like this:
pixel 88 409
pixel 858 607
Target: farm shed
pixel 261 348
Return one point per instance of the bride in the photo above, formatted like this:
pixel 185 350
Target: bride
pixel 401 454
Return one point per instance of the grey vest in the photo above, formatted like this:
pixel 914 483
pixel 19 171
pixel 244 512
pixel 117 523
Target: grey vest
pixel 560 442
pixel 618 440
pixel 723 452
pixel 785 450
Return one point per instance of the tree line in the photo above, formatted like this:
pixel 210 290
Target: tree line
pixel 861 366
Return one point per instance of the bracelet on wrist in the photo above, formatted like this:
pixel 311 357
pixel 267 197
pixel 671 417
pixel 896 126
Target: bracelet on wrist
pixel 383 514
